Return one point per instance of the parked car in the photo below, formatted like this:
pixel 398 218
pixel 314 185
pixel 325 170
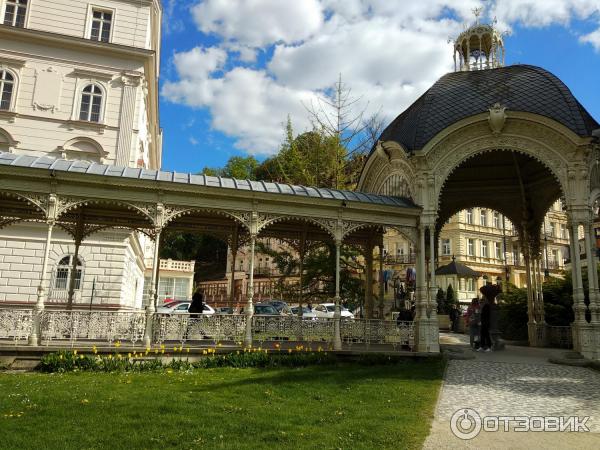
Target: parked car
pixel 281 306
pixel 182 308
pixel 224 310
pixel 265 309
pixel 326 310
pixel 306 313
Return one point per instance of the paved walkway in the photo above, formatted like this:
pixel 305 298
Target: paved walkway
pixel 518 381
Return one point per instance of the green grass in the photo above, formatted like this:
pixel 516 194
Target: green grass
pixel 345 406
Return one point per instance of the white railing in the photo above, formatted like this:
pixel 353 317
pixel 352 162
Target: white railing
pixel 182 328
pixel 366 331
pixel 16 324
pixel 92 326
pixel 67 328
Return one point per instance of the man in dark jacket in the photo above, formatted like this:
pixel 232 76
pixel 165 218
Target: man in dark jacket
pixel 486 340
pixel 197 305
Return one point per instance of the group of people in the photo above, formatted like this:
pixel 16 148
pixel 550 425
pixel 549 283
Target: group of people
pixel 478 319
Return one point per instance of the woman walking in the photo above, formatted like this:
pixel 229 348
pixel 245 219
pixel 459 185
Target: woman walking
pixel 473 322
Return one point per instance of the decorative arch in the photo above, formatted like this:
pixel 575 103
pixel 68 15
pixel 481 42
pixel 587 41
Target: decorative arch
pixel 82 148
pixel 7 142
pixel 173 213
pixel 327 225
pixel 456 145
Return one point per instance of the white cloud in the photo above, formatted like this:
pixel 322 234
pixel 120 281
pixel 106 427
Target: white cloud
pixel 255 23
pixel 193 141
pixel 387 52
pixel 539 13
pixel 592 38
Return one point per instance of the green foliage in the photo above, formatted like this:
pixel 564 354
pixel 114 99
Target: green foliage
pixel 210 253
pixel 450 299
pixel 558 300
pixel 512 317
pixel 240 167
pixel 67 361
pixel 441 301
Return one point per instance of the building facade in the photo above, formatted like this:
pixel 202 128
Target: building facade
pixel 79 81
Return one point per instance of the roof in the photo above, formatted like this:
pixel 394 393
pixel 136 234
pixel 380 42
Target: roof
pixel 456 268
pixel 458 95
pixel 85 167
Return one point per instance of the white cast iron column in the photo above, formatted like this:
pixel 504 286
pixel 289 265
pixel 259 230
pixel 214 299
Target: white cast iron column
pixel 592 273
pixel 249 305
pixel 152 300
pixel 34 338
pixel 337 315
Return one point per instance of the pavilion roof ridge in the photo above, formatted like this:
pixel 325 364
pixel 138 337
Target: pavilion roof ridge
pixel 91 168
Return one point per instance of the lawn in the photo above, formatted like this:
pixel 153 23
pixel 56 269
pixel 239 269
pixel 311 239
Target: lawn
pixel 345 406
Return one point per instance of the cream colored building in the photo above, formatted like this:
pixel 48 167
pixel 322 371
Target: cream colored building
pixel 485 241
pixel 79 81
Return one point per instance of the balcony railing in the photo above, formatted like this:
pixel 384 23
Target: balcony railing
pixel 173 265
pixel 400 259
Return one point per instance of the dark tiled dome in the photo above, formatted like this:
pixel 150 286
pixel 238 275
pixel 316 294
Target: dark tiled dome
pixel 458 95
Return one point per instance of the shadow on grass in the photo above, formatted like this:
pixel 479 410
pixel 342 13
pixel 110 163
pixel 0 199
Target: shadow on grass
pixel 340 374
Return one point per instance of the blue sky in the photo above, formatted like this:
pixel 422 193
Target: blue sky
pixel 232 70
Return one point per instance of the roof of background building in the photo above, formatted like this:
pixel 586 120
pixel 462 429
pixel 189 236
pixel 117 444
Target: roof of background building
pixel 459 95
pixel 48 163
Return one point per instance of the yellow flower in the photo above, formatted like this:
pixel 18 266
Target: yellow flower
pixel 94 349
pixel 80 356
pixel 84 401
pixel 75 352
pixel 204 352
pixel 289 350
pixel 181 348
pixel 162 346
pixel 174 349
pixel 156 351
pixel 162 351
pixel 148 349
pixel 118 344
pixel 219 345
pixel 60 357
pixel 129 355
pixel 187 349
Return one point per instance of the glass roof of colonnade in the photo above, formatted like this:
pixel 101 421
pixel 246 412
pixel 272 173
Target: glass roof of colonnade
pixel 77 166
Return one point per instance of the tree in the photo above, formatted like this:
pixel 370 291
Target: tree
pixel 240 167
pixel 334 115
pixel 450 298
pixel 441 301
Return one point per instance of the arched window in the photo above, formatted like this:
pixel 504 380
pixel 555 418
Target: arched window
pixel 7 86
pixel 91 103
pixel 63 273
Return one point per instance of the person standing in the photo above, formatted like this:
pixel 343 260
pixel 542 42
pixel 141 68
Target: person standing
pixel 197 306
pixel 454 316
pixel 473 321
pixel 486 340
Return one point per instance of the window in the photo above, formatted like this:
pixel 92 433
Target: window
pixel 497 221
pixel 445 246
pixel 484 249
pixel 63 273
pixel 498 250
pixel 471 247
pixel 469 216
pixel 551 229
pixel 173 288
pixel 91 103
pixel 101 25
pixel 7 85
pixel 470 285
pixel 14 13
pixel 483 217
pixel 563 231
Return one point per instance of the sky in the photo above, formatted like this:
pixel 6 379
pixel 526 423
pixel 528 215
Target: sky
pixel 234 70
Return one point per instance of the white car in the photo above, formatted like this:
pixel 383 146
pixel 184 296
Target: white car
pixel 182 308
pixel 326 310
pixel 306 313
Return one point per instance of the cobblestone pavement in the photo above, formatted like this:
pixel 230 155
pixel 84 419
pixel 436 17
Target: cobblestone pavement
pixel 517 383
